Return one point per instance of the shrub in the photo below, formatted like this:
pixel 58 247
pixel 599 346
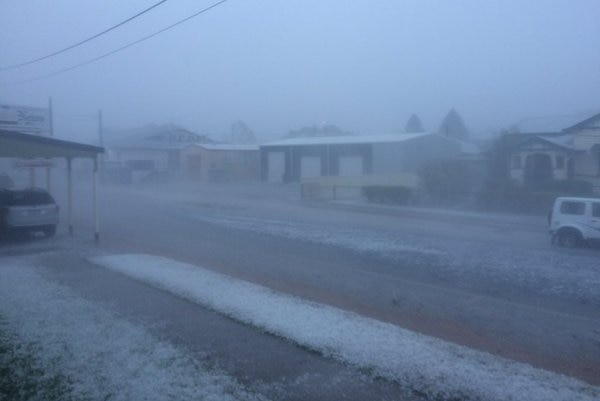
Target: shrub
pixel 509 195
pixel 569 187
pixel 446 181
pixel 388 194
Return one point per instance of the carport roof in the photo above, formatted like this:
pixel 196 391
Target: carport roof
pixel 17 144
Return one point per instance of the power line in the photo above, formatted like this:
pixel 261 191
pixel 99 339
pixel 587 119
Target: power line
pixel 93 60
pixel 10 67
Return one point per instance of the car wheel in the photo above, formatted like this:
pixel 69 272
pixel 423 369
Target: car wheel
pixel 49 231
pixel 569 239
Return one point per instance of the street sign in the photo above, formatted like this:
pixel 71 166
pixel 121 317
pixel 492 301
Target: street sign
pixel 25 119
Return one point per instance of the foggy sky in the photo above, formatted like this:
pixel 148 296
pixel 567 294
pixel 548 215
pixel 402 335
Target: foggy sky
pixel 277 65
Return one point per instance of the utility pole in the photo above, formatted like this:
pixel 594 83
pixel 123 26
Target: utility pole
pixel 51 133
pixel 100 129
pixel 101 142
pixel 50 116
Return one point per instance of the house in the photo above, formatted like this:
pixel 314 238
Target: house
pixel 133 155
pixel 555 148
pixel 221 162
pixel 297 159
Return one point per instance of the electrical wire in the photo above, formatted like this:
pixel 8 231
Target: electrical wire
pixel 47 56
pixel 93 60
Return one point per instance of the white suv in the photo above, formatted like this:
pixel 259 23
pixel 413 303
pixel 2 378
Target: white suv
pixel 574 221
pixel 27 210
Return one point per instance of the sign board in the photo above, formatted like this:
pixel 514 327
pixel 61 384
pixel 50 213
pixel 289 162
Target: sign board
pixel 24 119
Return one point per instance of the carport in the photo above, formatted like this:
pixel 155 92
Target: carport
pixel 26 146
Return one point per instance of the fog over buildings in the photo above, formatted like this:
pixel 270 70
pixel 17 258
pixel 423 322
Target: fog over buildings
pixel 279 65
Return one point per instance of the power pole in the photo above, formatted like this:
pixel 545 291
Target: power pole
pixel 101 141
pixel 100 129
pixel 51 133
pixel 50 116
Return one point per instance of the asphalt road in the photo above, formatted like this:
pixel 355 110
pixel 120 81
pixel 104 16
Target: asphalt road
pixel 231 230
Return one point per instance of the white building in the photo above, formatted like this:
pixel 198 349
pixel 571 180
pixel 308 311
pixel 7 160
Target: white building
pixel 153 149
pixel 556 148
pixel 295 159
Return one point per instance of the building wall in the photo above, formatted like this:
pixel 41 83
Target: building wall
pixel 376 158
pixel 587 167
pixel 327 155
pixel 220 165
pixel 157 157
pixel 587 137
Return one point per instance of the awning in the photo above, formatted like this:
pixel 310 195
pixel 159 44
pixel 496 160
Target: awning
pixel 17 144
pixel 26 146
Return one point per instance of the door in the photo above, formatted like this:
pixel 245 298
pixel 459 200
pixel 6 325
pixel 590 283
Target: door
pixel 194 166
pixel 310 166
pixel 275 166
pixel 350 165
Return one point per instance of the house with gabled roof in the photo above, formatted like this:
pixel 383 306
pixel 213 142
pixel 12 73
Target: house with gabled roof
pixel 221 162
pixel 543 149
pixel 149 150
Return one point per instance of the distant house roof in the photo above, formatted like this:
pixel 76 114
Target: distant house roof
pixel 564 141
pixel 551 124
pixel 154 137
pixel 346 140
pixel 226 146
pixel 583 123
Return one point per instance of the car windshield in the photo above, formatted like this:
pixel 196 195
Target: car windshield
pixel 26 198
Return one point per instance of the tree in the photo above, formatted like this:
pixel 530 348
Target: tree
pixel 414 125
pixel 241 134
pixel 453 126
pixel 315 131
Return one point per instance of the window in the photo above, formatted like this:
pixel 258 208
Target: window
pixel 516 161
pixel 596 209
pixel 560 162
pixel 571 207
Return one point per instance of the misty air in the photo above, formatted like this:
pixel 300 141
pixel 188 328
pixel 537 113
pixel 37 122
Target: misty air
pixel 299 200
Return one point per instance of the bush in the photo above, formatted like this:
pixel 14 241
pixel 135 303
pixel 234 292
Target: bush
pixel 388 194
pixel 446 181
pixel 569 187
pixel 509 195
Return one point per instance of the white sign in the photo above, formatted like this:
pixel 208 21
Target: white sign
pixel 24 119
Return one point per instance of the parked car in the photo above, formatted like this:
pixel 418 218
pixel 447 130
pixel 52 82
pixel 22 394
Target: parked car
pixel 575 221
pixel 28 210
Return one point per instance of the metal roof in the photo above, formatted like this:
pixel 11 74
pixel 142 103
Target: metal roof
pixel 152 137
pixel 226 146
pixel 346 140
pixel 550 124
pixel 562 141
pixel 17 144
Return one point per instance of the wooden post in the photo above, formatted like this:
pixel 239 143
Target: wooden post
pixel 96 217
pixel 50 117
pixel 48 186
pixel 70 194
